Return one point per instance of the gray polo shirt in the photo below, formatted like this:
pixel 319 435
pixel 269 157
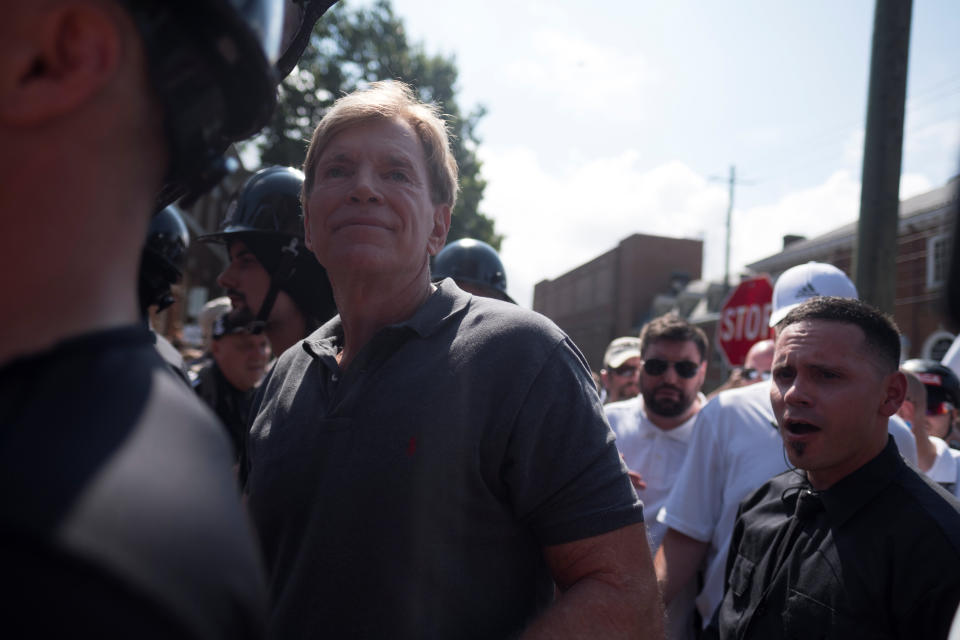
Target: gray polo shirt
pixel 411 495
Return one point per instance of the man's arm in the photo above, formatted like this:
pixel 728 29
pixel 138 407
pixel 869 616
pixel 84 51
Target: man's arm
pixel 607 589
pixel 677 562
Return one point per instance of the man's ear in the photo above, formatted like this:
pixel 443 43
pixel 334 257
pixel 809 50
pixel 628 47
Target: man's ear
pixel 441 226
pixel 67 53
pixel 894 391
pixel 215 348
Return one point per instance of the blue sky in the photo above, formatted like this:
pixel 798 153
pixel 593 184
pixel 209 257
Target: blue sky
pixel 610 118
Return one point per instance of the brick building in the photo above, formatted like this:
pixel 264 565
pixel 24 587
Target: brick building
pixel 613 294
pixel 923 260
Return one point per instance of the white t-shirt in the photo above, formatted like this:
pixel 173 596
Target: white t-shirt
pixel 946 466
pixel 655 454
pixel 735 448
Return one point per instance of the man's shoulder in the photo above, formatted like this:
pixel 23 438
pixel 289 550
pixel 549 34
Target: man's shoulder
pixel 929 502
pixel 738 411
pixel 504 318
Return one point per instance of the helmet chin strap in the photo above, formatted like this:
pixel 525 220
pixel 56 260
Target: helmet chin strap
pixel 284 271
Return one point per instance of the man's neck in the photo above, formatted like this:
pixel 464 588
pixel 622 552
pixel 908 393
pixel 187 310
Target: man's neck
pixel 366 306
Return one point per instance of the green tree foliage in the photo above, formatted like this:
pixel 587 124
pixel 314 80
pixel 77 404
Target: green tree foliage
pixel 351 48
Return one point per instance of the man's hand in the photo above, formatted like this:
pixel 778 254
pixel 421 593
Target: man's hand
pixel 677 562
pixel 607 589
pixel 636 480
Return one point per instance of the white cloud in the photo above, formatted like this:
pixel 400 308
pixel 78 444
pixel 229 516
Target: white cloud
pixel 554 223
pixel 759 230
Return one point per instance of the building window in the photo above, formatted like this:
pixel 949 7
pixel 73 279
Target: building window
pixel 938 260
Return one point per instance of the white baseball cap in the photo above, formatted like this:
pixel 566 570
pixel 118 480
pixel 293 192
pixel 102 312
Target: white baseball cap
pixel 621 350
pixel 805 281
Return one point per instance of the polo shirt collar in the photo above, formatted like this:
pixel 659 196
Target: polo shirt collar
pixel 446 302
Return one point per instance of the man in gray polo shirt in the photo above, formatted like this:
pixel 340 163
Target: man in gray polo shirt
pixel 429 464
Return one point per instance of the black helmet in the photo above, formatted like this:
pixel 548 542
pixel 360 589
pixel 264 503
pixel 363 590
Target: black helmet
pixel 474 262
pixel 267 216
pixel 212 63
pixel 161 263
pixel 941 382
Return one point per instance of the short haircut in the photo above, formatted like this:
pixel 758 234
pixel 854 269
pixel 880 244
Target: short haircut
pixel 879 329
pixel 387 100
pixel 673 328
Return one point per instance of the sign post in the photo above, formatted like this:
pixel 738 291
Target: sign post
pixel 744 319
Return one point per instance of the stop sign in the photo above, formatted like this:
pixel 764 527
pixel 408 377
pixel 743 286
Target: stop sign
pixel 744 319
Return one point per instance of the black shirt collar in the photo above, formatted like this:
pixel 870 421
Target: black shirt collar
pixel 848 495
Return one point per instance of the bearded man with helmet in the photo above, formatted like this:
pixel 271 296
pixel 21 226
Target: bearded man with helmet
pixel 271 274
pixel 118 510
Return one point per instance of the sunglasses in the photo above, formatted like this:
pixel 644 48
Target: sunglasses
pixel 657 367
pixel 940 409
pixel 755 374
pixel 625 371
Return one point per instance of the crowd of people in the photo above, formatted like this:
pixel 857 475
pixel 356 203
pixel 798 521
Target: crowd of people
pixel 377 442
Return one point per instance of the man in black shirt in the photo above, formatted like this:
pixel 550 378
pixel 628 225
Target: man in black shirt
pixel 857 544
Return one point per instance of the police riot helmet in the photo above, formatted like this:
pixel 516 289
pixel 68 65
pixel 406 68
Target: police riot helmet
pixel 474 262
pixel 161 262
pixel 213 66
pixel 941 382
pixel 266 215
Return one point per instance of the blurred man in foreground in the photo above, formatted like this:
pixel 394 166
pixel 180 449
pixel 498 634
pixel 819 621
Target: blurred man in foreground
pixel 835 384
pixel 431 463
pixel 118 510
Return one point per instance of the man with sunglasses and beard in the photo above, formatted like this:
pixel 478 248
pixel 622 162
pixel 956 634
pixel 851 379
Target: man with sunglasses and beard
pixel 653 428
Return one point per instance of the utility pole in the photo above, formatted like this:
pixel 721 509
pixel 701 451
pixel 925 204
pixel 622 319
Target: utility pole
pixel 726 265
pixel 875 252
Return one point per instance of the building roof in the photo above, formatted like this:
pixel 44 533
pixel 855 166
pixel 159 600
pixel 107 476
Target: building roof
pixel 912 210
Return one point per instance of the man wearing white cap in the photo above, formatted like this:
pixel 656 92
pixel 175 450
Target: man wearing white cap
pixel 735 448
pixel 620 376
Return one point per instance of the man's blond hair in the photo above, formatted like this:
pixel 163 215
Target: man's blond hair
pixel 387 100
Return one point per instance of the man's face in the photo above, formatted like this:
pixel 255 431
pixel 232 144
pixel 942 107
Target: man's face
pixel 668 393
pixel 245 280
pixel 831 399
pixel 246 283
pixel 370 209
pixel 242 357
pixel 622 383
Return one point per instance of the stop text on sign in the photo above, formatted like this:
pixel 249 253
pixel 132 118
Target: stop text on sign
pixel 746 322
